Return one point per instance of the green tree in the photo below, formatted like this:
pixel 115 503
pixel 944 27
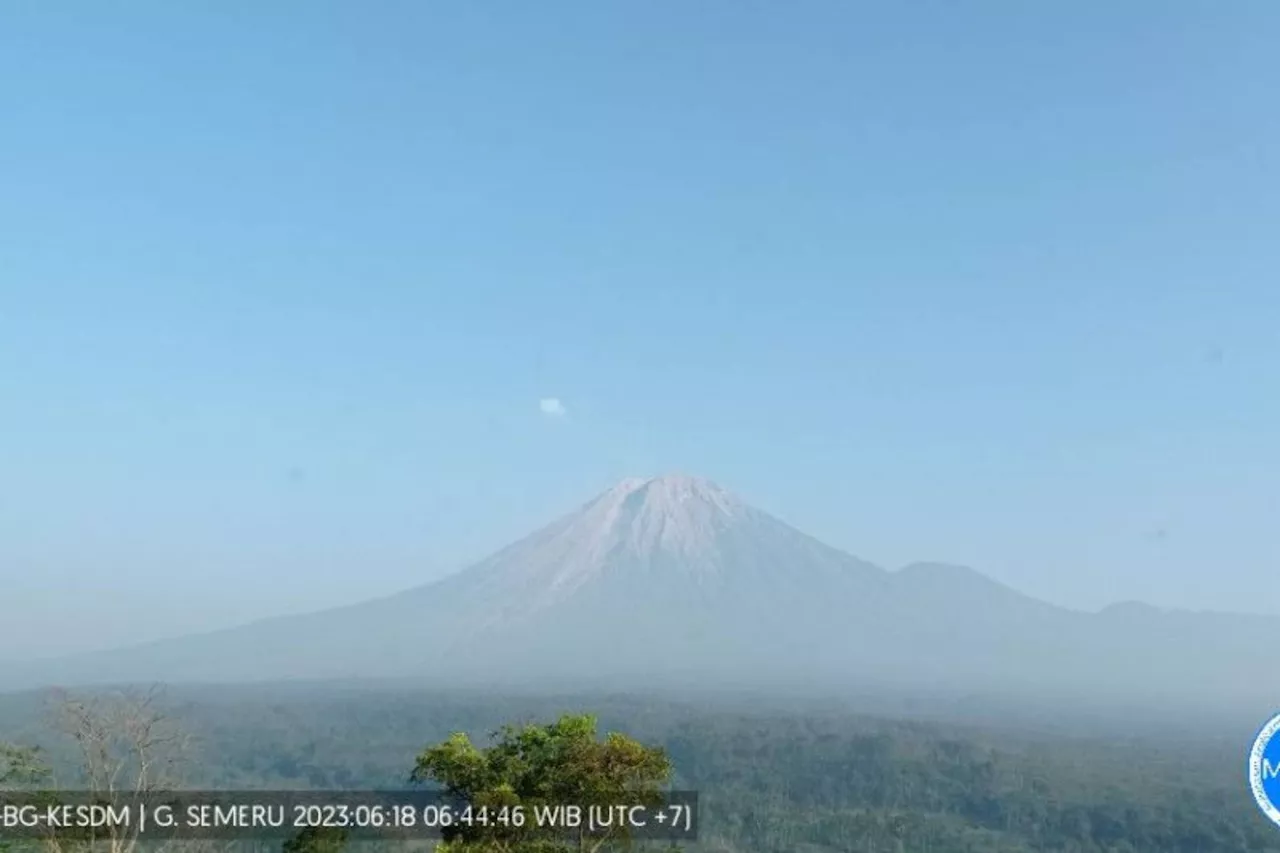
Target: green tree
pixel 21 768
pixel 532 766
pixel 317 839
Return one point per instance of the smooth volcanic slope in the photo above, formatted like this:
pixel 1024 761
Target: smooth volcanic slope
pixel 674 579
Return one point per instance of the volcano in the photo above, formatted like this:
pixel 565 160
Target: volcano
pixel 674 579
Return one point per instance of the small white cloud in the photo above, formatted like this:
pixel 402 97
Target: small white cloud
pixel 552 407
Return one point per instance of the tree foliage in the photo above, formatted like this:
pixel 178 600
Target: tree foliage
pixel 317 839
pixel 532 766
pixel 21 767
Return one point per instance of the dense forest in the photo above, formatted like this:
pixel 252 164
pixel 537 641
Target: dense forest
pixel 769 779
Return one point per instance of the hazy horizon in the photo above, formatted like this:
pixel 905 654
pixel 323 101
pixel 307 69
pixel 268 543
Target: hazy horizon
pixel 472 565
pixel 711 592
pixel 304 306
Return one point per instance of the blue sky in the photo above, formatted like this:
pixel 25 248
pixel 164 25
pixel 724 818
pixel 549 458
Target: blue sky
pixel 282 288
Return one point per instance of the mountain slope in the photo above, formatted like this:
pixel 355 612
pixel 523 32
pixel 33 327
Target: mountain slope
pixel 674 578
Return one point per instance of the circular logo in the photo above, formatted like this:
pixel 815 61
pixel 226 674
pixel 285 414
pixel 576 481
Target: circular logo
pixel 1264 769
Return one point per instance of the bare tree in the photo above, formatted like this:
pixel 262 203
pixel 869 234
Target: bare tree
pixel 128 742
pixel 128 746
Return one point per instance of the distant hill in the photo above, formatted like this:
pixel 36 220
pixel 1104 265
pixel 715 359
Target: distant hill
pixel 674 580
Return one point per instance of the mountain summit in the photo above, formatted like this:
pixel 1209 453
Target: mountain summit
pixel 678 516
pixel 672 562
pixel 673 578
pixel 673 513
pixel 678 530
